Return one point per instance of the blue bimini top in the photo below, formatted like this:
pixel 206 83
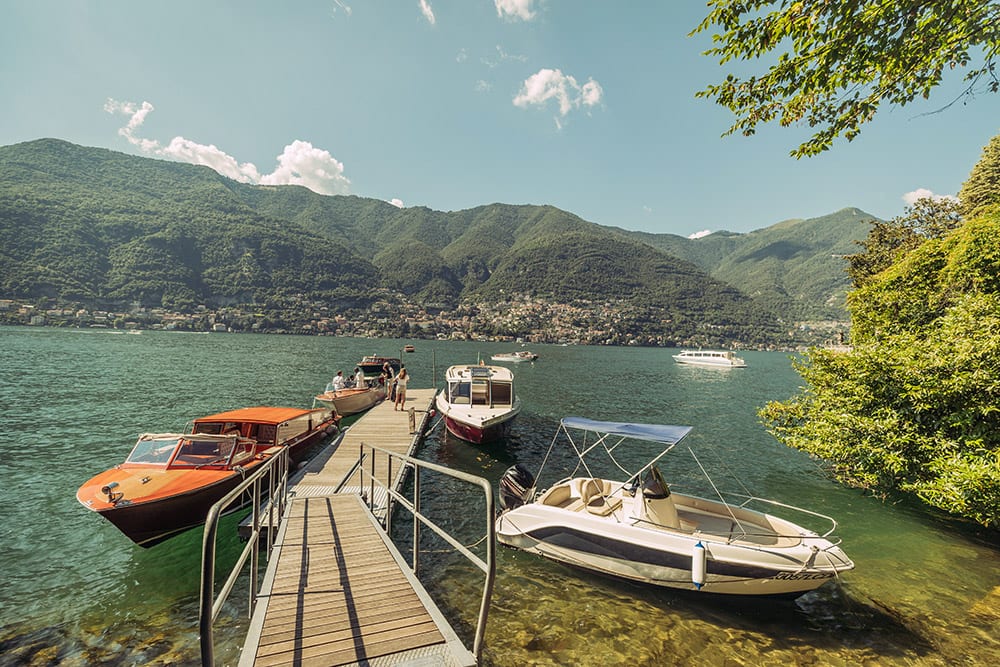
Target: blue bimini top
pixel 662 433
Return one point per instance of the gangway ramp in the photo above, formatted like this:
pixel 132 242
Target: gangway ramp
pixel 336 590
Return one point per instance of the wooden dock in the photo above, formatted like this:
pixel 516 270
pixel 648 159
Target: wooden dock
pixel 336 590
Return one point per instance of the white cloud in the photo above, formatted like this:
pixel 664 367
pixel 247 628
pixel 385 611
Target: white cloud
pixel 425 8
pixel 502 56
pixel 911 198
pixel 314 168
pixel 698 235
pixel 515 9
pixel 462 56
pixel 299 164
pixel 398 203
pixel 183 150
pixel 483 86
pixel 551 84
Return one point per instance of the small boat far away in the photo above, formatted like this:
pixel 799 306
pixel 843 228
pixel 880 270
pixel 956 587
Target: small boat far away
pixel 478 403
pixel 170 480
pixel 516 357
pixel 409 348
pixel 639 529
pixel 714 358
pixel 372 364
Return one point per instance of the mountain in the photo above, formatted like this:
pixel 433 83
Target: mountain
pixel 92 225
pixel 795 266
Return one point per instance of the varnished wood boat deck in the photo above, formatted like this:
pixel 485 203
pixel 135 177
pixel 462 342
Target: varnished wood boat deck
pixel 337 592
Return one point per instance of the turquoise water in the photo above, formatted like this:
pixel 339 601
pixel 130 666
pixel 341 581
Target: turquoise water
pixel 926 590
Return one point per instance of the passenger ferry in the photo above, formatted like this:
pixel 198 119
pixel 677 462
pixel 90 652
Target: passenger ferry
pixel 717 358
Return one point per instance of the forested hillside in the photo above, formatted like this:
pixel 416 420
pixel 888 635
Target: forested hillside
pixel 795 266
pixel 92 225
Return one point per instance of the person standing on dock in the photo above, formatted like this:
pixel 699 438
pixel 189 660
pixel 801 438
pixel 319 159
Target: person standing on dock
pixel 390 381
pixel 401 380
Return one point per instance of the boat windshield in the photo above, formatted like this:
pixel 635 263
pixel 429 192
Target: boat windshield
pixel 154 448
pixel 185 449
pixel 202 451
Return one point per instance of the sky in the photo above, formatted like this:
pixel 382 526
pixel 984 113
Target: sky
pixel 586 105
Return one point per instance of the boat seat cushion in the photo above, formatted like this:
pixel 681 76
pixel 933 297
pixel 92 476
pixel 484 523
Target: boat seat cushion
pixel 557 496
pixel 603 505
pixel 596 498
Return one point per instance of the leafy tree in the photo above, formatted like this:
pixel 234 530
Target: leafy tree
pixel 982 189
pixel 835 63
pixel 915 406
pixel 887 242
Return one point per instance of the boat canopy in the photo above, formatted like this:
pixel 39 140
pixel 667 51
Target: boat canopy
pixel 665 433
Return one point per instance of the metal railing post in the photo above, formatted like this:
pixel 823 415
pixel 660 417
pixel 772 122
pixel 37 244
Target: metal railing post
pixel 388 505
pixel 255 555
pixel 371 486
pixel 207 593
pixel 416 524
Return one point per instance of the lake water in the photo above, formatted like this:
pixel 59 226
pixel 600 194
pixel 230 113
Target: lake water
pixel 926 590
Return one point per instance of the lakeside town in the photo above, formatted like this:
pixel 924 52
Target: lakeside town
pixel 522 318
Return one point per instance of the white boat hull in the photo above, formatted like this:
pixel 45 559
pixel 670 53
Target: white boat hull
pixel 710 358
pixel 475 423
pixel 351 401
pixel 621 546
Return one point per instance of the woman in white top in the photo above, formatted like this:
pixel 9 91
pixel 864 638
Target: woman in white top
pixel 401 389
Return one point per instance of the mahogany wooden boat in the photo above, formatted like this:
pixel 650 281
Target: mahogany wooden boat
pixel 170 480
pixel 352 400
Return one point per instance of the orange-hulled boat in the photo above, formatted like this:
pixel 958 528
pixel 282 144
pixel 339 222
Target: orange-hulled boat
pixel 170 480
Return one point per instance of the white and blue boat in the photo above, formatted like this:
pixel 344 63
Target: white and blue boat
pixel 638 529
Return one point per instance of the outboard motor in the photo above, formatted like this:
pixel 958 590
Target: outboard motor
pixel 516 487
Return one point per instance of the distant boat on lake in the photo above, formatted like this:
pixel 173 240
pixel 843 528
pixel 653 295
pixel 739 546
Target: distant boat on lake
pixel 716 358
pixel 516 357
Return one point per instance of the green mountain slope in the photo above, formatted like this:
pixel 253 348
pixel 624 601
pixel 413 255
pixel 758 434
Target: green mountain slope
pixel 795 266
pixel 94 225
pixel 90 224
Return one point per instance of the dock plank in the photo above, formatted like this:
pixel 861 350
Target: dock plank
pixel 336 592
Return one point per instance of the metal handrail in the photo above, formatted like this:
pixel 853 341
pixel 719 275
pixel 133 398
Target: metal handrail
pixel 276 471
pixel 488 566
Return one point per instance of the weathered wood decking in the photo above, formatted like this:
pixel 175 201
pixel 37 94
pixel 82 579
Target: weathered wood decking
pixel 336 590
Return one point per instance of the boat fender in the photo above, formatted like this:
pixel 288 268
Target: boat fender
pixel 699 563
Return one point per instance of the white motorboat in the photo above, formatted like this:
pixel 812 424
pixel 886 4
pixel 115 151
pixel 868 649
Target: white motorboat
pixel 638 529
pixel 716 358
pixel 478 403
pixel 516 357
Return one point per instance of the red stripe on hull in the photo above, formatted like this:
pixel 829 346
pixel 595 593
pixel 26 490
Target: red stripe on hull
pixel 477 435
